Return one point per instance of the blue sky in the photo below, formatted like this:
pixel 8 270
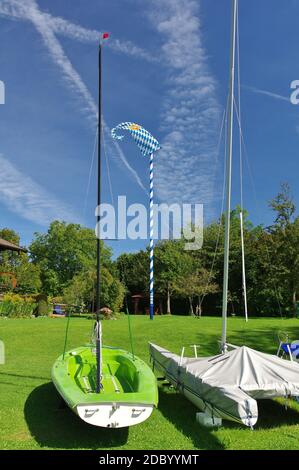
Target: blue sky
pixel 165 67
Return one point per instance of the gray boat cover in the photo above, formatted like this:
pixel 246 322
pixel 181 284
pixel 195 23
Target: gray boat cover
pixel 227 385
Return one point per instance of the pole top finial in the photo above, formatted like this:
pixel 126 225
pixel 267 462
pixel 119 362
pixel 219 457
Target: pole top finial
pixel 104 37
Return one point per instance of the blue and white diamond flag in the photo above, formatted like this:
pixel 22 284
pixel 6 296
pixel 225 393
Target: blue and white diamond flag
pixel 144 139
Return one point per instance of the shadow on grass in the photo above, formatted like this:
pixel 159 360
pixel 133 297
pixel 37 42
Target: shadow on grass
pixel 52 425
pixel 181 413
pixel 21 376
pixel 273 414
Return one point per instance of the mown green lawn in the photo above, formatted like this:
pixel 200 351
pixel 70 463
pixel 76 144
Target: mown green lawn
pixel 31 415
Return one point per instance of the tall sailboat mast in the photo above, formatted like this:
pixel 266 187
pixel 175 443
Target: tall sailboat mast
pixel 98 287
pixel 229 174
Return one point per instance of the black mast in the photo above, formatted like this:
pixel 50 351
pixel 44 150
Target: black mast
pixel 98 322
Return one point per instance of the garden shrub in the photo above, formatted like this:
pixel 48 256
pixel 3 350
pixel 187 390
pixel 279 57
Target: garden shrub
pixel 17 306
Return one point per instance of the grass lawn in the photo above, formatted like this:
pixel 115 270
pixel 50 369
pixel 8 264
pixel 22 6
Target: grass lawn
pixel 31 415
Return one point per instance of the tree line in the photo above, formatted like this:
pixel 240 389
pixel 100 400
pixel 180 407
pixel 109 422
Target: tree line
pixel 61 265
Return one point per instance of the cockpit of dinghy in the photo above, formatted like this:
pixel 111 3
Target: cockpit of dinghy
pixel 119 374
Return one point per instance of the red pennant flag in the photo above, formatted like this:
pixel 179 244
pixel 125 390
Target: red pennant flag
pixel 105 36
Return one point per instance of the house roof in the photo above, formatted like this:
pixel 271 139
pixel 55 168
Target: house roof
pixel 5 245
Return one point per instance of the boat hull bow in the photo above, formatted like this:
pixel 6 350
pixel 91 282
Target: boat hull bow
pixel 128 392
pixel 114 415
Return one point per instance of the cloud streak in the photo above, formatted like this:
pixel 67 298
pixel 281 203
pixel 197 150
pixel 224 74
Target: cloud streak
pixel 71 75
pixel 270 94
pixel 56 51
pixel 23 196
pixel 120 157
pixel 17 10
pixel 186 165
pixel 28 9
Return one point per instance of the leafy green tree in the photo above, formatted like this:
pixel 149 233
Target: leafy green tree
pixel 63 252
pixel 28 276
pixel 285 246
pixel 210 257
pixel 81 290
pixel 195 283
pixel 19 265
pixel 133 269
pixel 112 291
pixel 10 235
pixel 272 260
pixel 292 261
pixel 284 207
pixel 170 259
pixel 9 259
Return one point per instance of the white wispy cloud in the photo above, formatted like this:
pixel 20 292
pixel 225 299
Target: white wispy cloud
pixel 23 196
pixel 71 75
pixel 270 94
pixel 77 32
pixel 60 26
pixel 28 9
pixel 187 163
pixel 185 168
pixel 56 51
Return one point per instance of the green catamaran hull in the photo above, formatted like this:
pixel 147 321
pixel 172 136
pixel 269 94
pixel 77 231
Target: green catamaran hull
pixel 129 388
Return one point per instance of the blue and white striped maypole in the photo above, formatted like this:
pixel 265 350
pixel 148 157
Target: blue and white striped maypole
pixel 147 145
pixel 151 236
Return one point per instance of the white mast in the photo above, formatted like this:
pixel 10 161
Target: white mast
pixel 243 266
pixel 229 174
pixel 244 290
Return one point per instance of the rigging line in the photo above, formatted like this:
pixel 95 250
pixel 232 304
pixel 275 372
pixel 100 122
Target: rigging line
pixel 123 267
pixel 107 167
pixel 245 153
pixel 223 126
pixel 124 279
pixel 90 173
pixel 92 332
pixel 239 111
pixel 130 327
pixel 241 172
pixel 257 207
pixel 66 334
pixel 224 122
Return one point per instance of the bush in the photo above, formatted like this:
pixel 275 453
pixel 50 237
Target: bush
pixel 17 306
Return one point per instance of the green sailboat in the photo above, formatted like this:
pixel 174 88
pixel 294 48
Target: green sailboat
pixel 128 387
pixel 105 386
